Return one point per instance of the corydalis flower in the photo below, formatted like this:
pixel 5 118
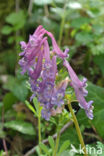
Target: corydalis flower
pixel 33 51
pixel 42 69
pixel 80 91
pixel 56 48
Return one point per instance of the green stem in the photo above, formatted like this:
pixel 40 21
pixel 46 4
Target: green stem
pixel 62 23
pixel 61 30
pixel 57 143
pixel 39 130
pixel 77 129
pixel 39 126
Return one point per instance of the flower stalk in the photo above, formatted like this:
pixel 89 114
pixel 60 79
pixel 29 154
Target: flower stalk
pixel 58 138
pixel 77 129
pixel 61 30
pixel 39 126
pixel 57 144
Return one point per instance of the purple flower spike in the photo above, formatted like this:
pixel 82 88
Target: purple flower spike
pixel 80 91
pixel 40 65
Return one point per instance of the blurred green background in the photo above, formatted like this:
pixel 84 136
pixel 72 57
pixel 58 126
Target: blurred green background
pixel 76 24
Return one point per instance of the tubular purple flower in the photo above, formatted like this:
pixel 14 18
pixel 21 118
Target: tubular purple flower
pixel 34 74
pixel 80 91
pixel 31 50
pixel 46 51
pixel 56 48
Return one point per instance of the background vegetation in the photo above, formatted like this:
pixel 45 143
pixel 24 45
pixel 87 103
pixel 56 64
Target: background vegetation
pixel 78 25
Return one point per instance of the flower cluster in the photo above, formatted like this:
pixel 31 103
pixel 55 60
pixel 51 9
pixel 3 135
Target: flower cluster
pixel 42 69
pixel 40 65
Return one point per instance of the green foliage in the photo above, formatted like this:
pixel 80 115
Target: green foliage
pixel 79 22
pixel 8 100
pixel 51 142
pixel 84 37
pixel 63 147
pixel 71 135
pixel 31 107
pixel 96 94
pixel 100 62
pixel 9 59
pixel 44 148
pixel 17 20
pixel 7 30
pixel 68 153
pixel 2 133
pixel 36 104
pixel 1 153
pixel 20 126
pixel 17 87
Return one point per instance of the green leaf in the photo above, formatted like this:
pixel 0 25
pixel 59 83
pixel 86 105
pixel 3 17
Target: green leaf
pixel 36 104
pixel 10 60
pixel 30 107
pixel 84 37
pixel 99 60
pixel 8 100
pixel 78 22
pixel 71 135
pixel 1 153
pixel 97 49
pixel 16 19
pixel 17 87
pixel 11 39
pixel 68 153
pixel 6 30
pixel 42 2
pixel 63 147
pixel 44 147
pixel 20 126
pixel 51 142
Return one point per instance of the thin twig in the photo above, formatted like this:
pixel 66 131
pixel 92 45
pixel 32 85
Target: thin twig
pixel 14 147
pixel 46 140
pixel 62 23
pixel 46 10
pixel 93 136
pixel 4 141
pixel 17 5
